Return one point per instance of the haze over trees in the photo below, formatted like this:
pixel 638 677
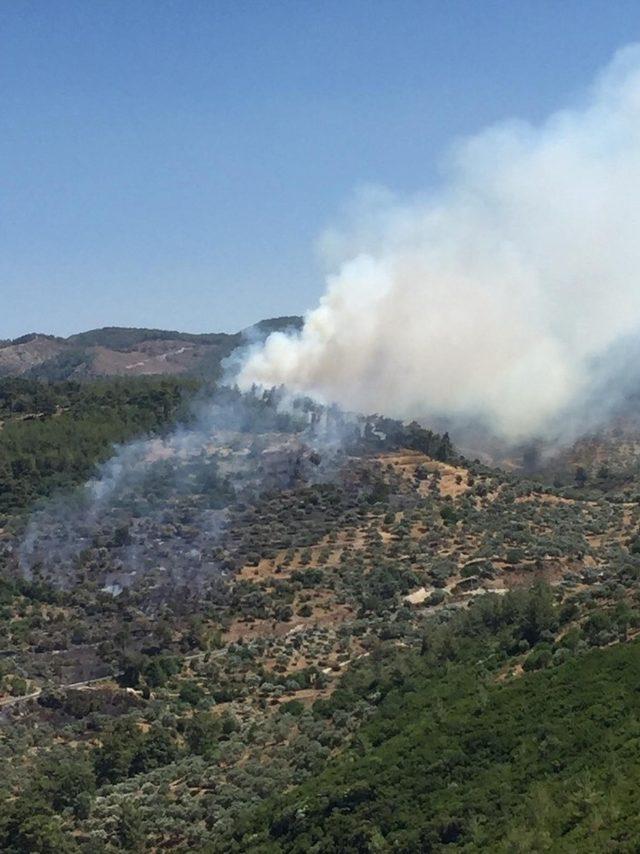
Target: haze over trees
pixel 265 645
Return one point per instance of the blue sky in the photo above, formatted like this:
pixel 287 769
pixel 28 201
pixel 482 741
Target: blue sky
pixel 171 164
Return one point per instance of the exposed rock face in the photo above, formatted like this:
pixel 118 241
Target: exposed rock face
pixel 24 354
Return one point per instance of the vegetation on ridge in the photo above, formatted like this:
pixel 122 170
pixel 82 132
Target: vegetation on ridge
pixel 265 646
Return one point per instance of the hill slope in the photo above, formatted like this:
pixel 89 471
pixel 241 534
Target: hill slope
pixel 244 638
pixel 120 351
pixel 453 760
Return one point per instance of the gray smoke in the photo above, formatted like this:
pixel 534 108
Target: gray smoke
pixel 156 511
pixel 505 298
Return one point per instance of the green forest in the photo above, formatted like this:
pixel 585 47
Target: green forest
pixel 52 435
pixel 454 759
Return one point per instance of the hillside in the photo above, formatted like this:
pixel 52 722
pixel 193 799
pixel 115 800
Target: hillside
pixel 118 351
pixel 455 759
pixel 296 630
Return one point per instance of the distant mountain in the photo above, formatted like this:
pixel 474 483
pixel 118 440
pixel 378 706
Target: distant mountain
pixel 122 351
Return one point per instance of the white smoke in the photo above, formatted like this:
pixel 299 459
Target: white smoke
pixel 493 298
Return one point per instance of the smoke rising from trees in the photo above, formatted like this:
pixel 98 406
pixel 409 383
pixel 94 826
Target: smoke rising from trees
pixel 501 298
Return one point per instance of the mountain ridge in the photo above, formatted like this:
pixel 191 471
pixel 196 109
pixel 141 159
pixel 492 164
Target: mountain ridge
pixel 128 351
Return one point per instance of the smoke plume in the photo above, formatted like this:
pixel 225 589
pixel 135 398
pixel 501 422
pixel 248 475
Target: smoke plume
pixel 499 298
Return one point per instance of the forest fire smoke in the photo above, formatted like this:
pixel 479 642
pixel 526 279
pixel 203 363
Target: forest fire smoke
pixel 501 297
